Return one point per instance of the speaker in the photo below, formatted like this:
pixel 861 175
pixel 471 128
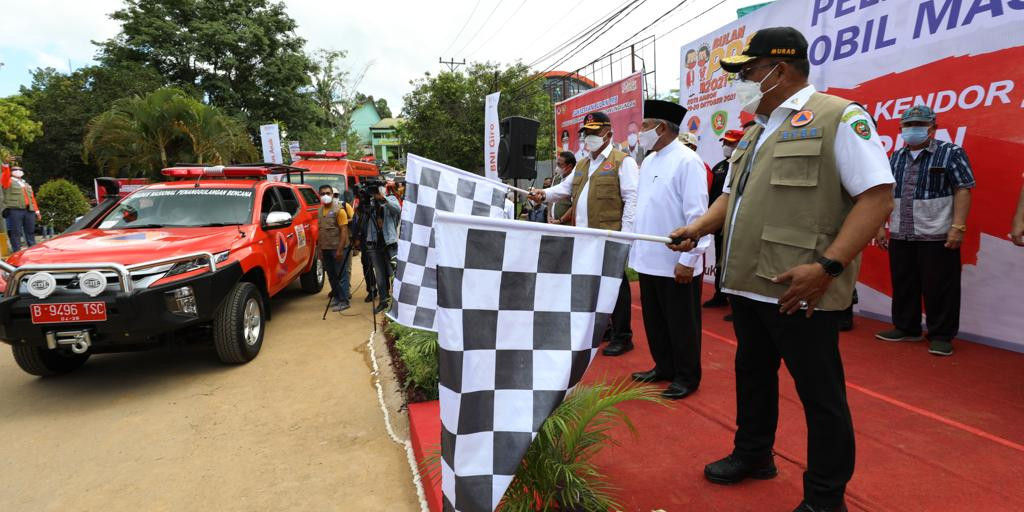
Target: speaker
pixel 517 150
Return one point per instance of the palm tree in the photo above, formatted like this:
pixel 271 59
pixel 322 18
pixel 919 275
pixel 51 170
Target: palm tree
pixel 151 132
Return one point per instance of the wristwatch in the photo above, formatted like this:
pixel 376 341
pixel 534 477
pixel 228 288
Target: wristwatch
pixel 832 267
pixel 960 227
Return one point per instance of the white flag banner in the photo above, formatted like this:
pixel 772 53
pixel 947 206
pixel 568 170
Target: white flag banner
pixel 491 135
pixel 433 187
pixel 521 310
pixel 293 150
pixel 270 136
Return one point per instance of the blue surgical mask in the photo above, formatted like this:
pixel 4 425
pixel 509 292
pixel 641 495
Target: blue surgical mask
pixel 914 135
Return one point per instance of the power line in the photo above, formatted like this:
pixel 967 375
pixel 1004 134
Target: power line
pixel 464 25
pixel 482 25
pixel 494 33
pixel 581 34
pixel 550 27
pixel 659 18
pixel 702 13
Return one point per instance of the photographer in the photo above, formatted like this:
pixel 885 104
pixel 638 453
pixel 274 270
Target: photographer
pixel 381 238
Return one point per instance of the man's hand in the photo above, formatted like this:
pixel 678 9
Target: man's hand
pixel 954 237
pixel 556 221
pixel 807 284
pixel 689 234
pixel 683 274
pixel 882 238
pixel 1017 233
pixel 39 216
pixel 536 194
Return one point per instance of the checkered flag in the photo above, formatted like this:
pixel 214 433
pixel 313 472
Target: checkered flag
pixel 433 187
pixel 521 308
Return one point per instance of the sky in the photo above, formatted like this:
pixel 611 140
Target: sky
pixel 399 40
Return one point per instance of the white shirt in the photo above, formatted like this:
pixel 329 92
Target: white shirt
pixel 672 192
pixel 510 210
pixel 627 190
pixel 862 163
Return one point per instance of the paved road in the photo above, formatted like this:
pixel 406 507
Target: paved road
pixel 298 428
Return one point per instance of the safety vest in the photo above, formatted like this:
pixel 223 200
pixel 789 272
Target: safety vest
pixel 793 205
pixel 604 199
pixel 330 230
pixel 19 195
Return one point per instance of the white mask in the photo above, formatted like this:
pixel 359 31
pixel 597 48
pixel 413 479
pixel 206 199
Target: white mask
pixel 749 94
pixel 17 173
pixel 593 142
pixel 727 151
pixel 565 146
pixel 326 199
pixel 648 138
pixel 631 140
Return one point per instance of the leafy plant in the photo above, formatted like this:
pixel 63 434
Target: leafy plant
pixel 418 350
pixel 558 469
pixel 60 202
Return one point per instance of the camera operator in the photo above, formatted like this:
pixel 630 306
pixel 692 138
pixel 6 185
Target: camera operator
pixel 360 223
pixel 381 238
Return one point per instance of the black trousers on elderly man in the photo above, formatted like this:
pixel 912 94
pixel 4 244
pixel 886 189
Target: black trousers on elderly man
pixel 672 321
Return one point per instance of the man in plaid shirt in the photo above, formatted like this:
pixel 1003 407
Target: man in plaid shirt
pixel 927 225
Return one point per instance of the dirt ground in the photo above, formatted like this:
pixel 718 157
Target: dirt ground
pixel 298 428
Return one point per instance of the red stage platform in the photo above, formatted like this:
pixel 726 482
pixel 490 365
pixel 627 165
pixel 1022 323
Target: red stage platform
pixel 933 433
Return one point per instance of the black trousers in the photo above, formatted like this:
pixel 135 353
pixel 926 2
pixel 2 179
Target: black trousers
pixel 622 329
pixel 929 269
pixel 673 324
pixel 719 258
pixel 810 348
pixel 368 277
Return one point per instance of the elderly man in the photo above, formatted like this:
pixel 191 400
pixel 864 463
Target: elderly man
pixel 808 186
pixel 932 199
pixel 603 191
pixel 672 191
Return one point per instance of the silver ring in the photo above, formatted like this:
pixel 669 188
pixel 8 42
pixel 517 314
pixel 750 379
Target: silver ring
pixel 803 303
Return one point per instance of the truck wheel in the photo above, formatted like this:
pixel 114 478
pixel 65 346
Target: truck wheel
pixel 45 362
pixel 313 281
pixel 238 324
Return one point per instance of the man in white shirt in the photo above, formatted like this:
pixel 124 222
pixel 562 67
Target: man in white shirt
pixel 672 191
pixel 807 188
pixel 603 192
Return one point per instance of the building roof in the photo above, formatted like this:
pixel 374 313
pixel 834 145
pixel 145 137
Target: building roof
pixel 388 123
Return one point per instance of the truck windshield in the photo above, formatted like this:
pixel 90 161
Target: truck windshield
pixel 318 180
pixel 192 207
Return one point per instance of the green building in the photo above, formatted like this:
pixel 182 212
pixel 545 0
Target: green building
pixel 387 145
pixel 363 118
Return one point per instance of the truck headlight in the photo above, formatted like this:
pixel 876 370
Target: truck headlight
pixel 181 301
pixel 196 264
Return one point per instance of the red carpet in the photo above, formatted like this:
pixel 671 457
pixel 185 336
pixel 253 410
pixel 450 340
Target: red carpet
pixel 933 434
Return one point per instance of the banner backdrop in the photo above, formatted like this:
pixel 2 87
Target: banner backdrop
pixel 963 58
pixel 623 101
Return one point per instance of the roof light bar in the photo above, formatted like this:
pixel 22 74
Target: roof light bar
pixel 322 154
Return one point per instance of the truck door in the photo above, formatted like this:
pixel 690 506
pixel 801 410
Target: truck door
pixel 300 233
pixel 277 244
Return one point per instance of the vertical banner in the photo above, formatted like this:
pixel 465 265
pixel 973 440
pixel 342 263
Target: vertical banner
pixel 293 150
pixel 963 59
pixel 491 136
pixel 623 101
pixel 270 136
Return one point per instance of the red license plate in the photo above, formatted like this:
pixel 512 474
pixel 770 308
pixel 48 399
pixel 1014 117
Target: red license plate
pixel 68 312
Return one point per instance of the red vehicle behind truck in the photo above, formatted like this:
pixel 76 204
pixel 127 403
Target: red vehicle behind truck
pixel 334 169
pixel 207 252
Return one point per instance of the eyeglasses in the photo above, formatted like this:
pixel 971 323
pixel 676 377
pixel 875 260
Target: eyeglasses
pixel 745 72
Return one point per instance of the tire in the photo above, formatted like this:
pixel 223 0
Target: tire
pixel 239 324
pixel 45 362
pixel 313 281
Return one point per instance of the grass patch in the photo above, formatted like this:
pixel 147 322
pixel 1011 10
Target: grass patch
pixel 414 359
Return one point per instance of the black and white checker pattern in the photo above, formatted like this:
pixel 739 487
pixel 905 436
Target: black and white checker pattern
pixel 433 187
pixel 521 311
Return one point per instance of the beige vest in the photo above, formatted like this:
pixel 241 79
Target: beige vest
pixel 793 205
pixel 14 197
pixel 604 200
pixel 330 231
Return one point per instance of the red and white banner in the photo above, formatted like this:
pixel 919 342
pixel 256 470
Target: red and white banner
pixel 623 101
pixel 963 58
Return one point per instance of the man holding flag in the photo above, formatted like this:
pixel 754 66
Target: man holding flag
pixel 603 192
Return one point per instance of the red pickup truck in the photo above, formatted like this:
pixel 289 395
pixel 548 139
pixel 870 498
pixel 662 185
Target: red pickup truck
pixel 206 251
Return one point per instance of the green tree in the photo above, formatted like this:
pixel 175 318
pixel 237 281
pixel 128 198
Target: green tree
pixel 445 113
pixel 65 102
pixel 242 56
pixel 148 133
pixel 60 203
pixel 17 127
pixel 333 92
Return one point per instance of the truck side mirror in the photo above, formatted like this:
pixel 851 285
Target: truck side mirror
pixel 275 220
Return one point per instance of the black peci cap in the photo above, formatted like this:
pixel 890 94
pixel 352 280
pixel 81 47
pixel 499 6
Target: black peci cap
pixel 774 42
pixel 664 110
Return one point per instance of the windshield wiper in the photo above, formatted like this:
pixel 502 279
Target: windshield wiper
pixel 217 224
pixel 141 226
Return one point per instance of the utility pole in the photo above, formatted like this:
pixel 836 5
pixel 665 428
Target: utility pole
pixel 451 63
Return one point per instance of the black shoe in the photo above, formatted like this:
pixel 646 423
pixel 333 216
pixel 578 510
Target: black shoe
pixel 617 348
pixel 732 470
pixel 846 325
pixel 807 507
pixel 370 298
pixel 675 391
pixel 382 307
pixel 648 376
pixel 716 302
pixel 727 318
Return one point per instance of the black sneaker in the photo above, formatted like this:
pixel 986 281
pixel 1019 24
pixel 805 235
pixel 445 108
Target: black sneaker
pixel 898 335
pixel 807 507
pixel 382 307
pixel 370 298
pixel 733 470
pixel 940 348
pixel 717 301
